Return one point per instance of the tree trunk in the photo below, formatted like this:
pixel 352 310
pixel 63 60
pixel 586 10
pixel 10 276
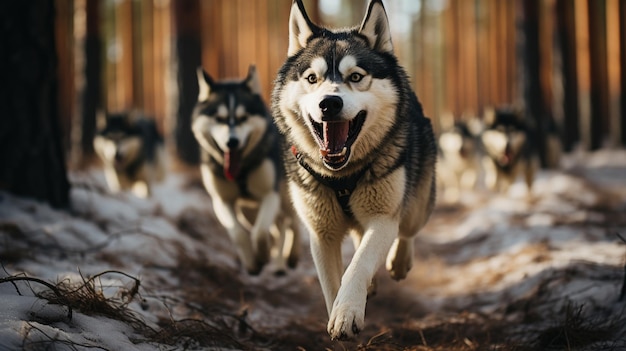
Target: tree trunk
pixel 187 58
pixel 529 71
pixel 599 73
pixel 31 155
pixel 622 42
pixel 566 48
pixel 88 81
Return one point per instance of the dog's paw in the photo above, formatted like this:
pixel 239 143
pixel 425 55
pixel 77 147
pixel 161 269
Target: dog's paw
pixel 345 322
pixel 262 250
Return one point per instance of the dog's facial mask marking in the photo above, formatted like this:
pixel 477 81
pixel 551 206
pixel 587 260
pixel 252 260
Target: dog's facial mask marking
pixel 332 108
pixel 224 127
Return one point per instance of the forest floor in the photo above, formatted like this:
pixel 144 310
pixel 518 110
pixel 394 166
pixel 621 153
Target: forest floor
pixel 492 272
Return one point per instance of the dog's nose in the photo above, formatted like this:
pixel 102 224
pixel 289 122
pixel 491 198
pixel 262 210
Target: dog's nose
pixel 331 105
pixel 232 143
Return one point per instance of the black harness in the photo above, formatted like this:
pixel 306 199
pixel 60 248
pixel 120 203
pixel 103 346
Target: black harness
pixel 343 187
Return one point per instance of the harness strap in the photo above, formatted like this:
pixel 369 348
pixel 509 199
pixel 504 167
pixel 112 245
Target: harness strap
pixel 343 187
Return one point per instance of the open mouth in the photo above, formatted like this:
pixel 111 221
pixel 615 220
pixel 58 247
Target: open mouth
pixel 335 139
pixel 232 159
pixel 506 158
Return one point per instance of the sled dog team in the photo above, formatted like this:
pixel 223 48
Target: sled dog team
pixel 346 149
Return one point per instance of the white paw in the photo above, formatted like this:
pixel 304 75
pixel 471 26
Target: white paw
pixel 347 319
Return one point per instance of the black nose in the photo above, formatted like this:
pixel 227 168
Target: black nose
pixel 232 143
pixel 331 105
pixel 118 156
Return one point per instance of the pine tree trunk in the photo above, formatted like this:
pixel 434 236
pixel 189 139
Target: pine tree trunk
pixel 32 162
pixel 566 47
pixel 187 59
pixel 529 69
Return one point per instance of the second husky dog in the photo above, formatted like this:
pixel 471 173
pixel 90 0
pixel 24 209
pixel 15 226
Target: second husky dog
pixel 362 158
pixel 459 162
pixel 130 149
pixel 509 151
pixel 242 168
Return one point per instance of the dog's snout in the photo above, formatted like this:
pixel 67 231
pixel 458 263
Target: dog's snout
pixel 232 143
pixel 331 105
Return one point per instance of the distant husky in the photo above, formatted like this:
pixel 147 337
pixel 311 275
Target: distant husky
pixel 362 157
pixel 242 169
pixel 508 143
pixel 131 151
pixel 459 159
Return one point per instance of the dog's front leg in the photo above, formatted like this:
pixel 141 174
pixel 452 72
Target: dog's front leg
pixel 226 214
pixel 268 210
pixel 348 312
pixel 326 252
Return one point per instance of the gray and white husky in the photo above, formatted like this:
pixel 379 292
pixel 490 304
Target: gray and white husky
pixel 361 158
pixel 131 150
pixel 508 142
pixel 242 171
pixel 459 160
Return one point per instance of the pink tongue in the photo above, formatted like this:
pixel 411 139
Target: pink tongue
pixel 231 164
pixel 335 136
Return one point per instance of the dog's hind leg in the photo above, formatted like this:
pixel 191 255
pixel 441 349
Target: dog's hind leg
pixel 291 248
pixel 285 248
pixel 400 258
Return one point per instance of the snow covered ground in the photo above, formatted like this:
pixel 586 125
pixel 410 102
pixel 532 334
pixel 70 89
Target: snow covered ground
pixel 115 272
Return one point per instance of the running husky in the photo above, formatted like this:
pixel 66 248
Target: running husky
pixel 130 148
pixel 241 169
pixel 459 161
pixel 362 156
pixel 509 151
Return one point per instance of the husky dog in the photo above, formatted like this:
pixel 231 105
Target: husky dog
pixel 509 151
pixel 242 171
pixel 362 156
pixel 130 148
pixel 459 162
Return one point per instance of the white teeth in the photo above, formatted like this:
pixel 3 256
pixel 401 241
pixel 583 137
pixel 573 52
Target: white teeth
pixel 342 153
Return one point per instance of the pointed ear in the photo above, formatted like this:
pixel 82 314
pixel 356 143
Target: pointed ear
pixel 252 81
pixel 204 84
pixel 300 28
pixel 375 27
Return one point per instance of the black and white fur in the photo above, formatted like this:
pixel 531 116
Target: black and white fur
pixel 508 143
pixel 243 173
pixel 362 157
pixel 131 150
pixel 459 155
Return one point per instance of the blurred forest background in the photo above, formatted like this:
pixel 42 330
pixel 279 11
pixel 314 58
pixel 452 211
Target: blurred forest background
pixel 563 61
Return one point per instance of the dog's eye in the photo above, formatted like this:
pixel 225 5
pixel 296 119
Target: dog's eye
pixel 311 78
pixel 356 77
